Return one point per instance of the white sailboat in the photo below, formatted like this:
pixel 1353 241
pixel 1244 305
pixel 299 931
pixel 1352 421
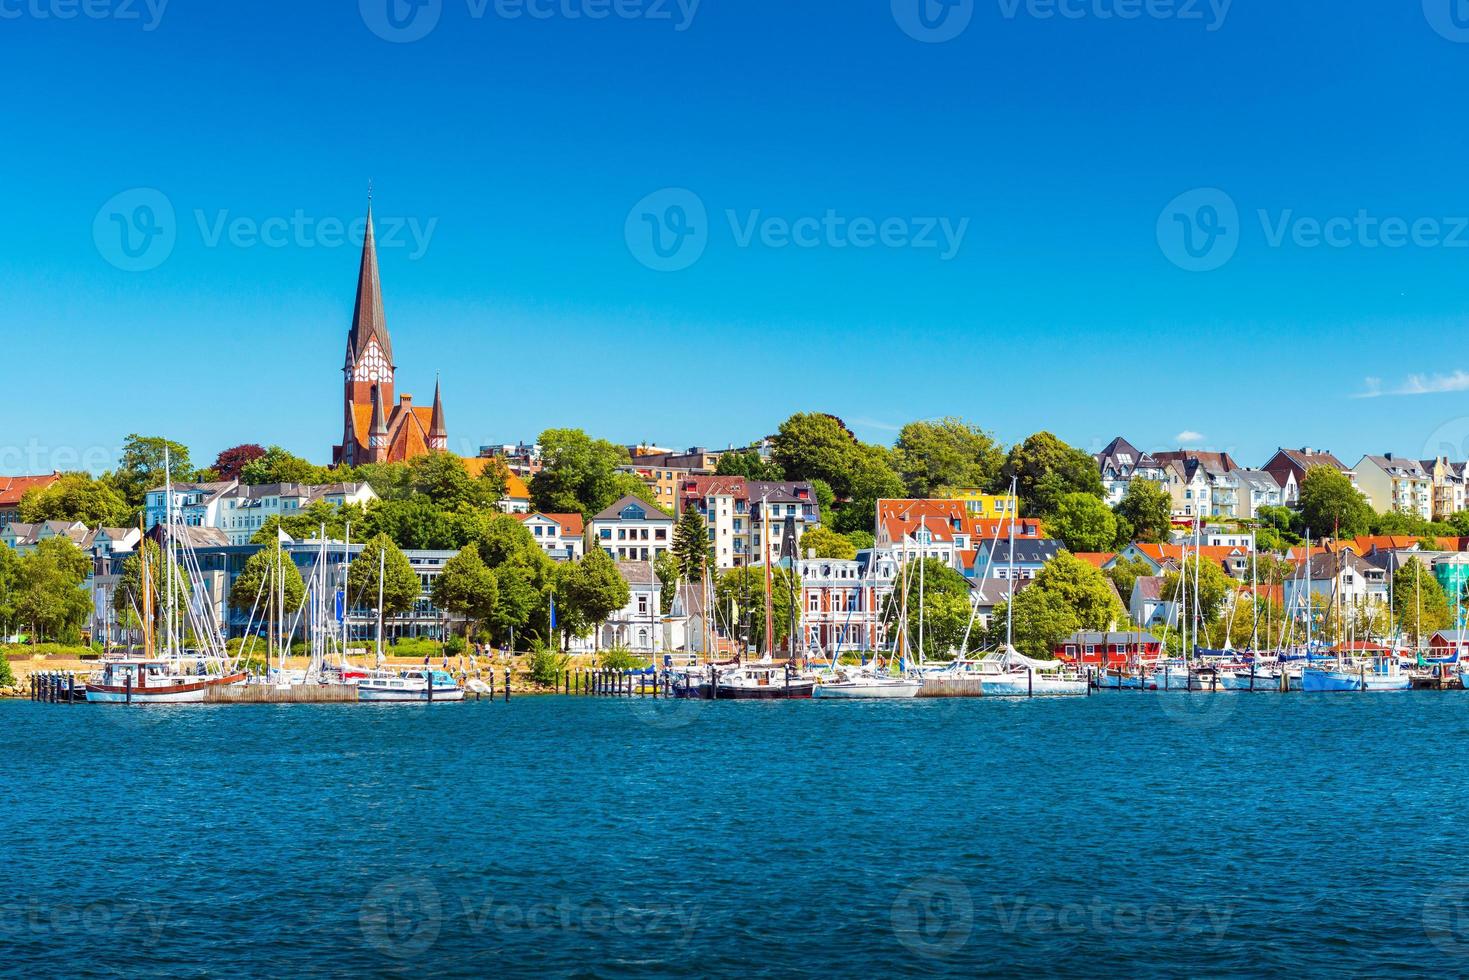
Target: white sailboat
pixel 424 685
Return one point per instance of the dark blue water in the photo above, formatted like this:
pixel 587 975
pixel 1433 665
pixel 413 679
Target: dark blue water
pixel 1124 834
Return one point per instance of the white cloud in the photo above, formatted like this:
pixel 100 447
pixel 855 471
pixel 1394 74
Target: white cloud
pixel 1189 435
pixel 1417 384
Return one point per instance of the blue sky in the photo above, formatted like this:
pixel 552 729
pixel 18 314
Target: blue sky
pixel 1106 267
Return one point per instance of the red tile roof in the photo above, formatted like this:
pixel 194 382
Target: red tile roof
pixel 12 488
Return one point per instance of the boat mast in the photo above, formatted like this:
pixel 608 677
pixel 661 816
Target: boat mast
pixel 922 553
pixel 382 559
pixel 1010 576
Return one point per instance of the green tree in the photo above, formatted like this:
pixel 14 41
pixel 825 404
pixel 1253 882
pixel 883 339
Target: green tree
pixel 861 540
pixel 399 583
pixel 279 466
pixel 443 479
pixel 9 585
pixel 467 588
pixel 1085 590
pixel 749 464
pixel 1420 605
pixel 141 468
pixel 594 589
pixel 813 445
pixel 578 474
pixel 691 545
pixel 943 606
pixel 260 582
pixel 1042 620
pixel 49 595
pixel 871 479
pixel 819 542
pixel 743 589
pixel 77 497
pixel 1125 572
pixel 1331 505
pixel 415 524
pixel 1213 588
pixel 390 481
pixel 1084 522
pixel 1045 469
pixel 665 566
pixel 949 454
pixel 1147 509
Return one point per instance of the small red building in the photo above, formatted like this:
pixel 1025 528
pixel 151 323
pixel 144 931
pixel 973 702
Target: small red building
pixel 1090 647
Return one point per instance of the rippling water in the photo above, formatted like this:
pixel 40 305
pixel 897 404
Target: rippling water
pixel 1123 834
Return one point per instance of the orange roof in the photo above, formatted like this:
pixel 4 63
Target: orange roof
pixel 12 488
pixel 571 524
pixel 986 528
pixel 897 528
pixel 1097 558
pixel 1299 552
pixel 515 488
pixel 913 510
pixel 1174 552
pixel 1365 543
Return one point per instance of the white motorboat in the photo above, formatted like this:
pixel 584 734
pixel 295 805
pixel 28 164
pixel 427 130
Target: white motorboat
pixel 424 685
pixel 858 682
pixel 1011 674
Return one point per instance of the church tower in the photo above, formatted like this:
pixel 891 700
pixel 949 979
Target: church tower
pixel 375 428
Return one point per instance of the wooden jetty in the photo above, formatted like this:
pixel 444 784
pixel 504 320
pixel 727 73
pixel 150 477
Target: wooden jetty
pixel 271 694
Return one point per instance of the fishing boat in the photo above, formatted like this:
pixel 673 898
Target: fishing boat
pixel 157 680
pixel 865 682
pixel 421 684
pixel 763 681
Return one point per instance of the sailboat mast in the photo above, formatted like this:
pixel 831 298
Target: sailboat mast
pixel 1010 575
pixel 922 552
pixel 382 562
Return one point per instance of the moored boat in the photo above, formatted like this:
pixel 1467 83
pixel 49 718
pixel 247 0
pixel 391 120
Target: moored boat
pixel 762 682
pixel 845 682
pixel 154 681
pixel 424 685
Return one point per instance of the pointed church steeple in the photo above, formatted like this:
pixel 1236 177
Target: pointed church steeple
pixel 377 430
pixel 368 319
pixel 438 436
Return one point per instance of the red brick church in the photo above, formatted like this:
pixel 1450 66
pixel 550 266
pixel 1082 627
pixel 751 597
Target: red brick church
pixel 375 429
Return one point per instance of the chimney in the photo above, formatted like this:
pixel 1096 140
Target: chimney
pixel 405 400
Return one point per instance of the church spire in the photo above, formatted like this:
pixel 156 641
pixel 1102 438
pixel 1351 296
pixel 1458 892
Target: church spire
pixel 438 436
pixel 377 430
pixel 368 320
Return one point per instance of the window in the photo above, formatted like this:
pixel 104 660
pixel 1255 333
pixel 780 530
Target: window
pixel 606 534
pixel 642 605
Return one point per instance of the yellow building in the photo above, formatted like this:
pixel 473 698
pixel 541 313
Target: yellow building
pixel 992 506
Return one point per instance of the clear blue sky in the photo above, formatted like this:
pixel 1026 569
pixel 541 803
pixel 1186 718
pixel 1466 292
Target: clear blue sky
pixel 528 141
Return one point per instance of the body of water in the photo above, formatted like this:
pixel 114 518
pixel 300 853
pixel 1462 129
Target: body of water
pixel 1122 834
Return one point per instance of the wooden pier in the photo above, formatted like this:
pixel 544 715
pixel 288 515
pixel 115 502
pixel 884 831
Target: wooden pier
pixel 270 694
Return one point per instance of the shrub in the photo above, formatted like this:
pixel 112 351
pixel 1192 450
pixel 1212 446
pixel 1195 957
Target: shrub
pixel 456 645
pixel 546 664
pixel 7 679
pixel 621 658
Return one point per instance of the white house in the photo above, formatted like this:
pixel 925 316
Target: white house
pixel 559 535
pixel 1338 576
pixel 1393 484
pixel 633 530
pixel 638 626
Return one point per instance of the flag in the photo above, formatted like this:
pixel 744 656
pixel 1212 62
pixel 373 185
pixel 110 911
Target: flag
pixel 553 611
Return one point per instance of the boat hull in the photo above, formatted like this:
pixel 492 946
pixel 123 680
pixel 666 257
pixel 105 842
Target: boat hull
pixel 1039 687
pixel 191 693
pixel 409 697
pixel 851 690
pixel 1325 681
pixel 794 691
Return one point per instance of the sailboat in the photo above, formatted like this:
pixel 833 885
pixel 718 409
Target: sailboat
pixel 167 677
pixel 865 680
pixel 1382 673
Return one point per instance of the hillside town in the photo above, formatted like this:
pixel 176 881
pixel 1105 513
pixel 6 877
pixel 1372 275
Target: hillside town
pixel 802 541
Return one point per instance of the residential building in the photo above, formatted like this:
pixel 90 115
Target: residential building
pixel 988 506
pixel 1289 468
pixel 842 601
pixel 1335 577
pixel 521 458
pixel 1160 558
pixel 735 510
pixel 1203 484
pixel 559 535
pixel 1449 485
pixel 1146 606
pixel 244 510
pixel 12 488
pixel 665 471
pixel 1257 488
pixel 194 504
pixel 1393 484
pixel 638 626
pixel 633 530
pixel 993 558
pixel 1121 462
pixel 23 538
